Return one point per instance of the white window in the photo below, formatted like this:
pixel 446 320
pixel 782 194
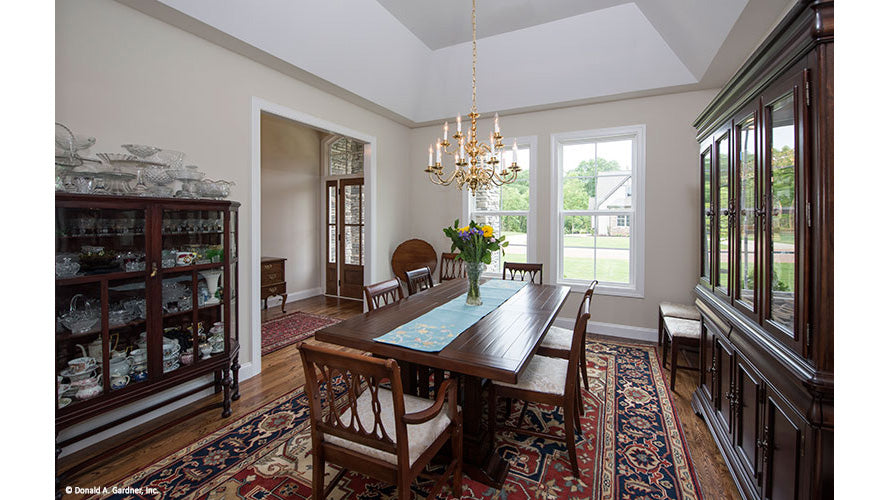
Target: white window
pixel 508 208
pixel 598 212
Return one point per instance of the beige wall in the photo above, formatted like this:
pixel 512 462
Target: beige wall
pixel 671 197
pixel 124 77
pixel 291 180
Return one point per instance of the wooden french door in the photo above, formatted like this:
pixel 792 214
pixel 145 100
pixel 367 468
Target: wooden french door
pixel 344 270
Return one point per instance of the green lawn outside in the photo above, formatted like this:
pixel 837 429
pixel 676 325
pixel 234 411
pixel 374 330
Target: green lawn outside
pixel 608 270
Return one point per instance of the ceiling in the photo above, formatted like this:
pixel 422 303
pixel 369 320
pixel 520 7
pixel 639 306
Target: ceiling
pixel 411 59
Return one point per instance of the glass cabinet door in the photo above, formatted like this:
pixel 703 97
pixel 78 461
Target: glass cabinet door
pixel 192 286
pixel 707 214
pixel 781 238
pixel 100 301
pixel 747 214
pixel 723 215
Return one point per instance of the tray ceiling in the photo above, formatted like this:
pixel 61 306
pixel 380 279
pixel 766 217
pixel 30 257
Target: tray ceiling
pixel 411 59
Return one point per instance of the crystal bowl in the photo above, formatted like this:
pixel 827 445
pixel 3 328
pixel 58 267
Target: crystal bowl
pixel 140 150
pixel 79 323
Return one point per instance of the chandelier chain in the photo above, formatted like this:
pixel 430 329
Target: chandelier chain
pixel 474 58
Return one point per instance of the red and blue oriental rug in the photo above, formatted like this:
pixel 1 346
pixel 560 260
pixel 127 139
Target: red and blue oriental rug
pixel 290 329
pixel 632 447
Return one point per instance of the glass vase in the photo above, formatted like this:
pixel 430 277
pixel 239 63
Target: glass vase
pixel 473 271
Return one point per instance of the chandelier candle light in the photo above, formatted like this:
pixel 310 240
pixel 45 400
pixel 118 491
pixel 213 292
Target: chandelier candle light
pixel 475 163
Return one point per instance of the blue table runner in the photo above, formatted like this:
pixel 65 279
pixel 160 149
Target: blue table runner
pixel 437 328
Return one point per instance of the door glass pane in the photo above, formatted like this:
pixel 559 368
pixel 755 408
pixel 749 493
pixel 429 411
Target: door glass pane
pixel 99 241
pixel 331 244
pixel 127 313
pixel 747 226
pixel 331 204
pixel 192 237
pixel 782 146
pixel 707 210
pixel 723 200
pixel 79 355
pixel 352 200
pixel 352 244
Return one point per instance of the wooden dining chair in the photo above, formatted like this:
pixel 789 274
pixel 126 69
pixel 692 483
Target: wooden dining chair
pixel 418 280
pixel 451 267
pixel 376 431
pixel 522 269
pixel 549 381
pixel 383 294
pixel 557 342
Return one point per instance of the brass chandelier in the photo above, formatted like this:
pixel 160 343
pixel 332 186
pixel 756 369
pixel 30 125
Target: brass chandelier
pixel 475 163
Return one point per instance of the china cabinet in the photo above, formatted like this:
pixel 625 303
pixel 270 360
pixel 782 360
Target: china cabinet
pixel 146 301
pixel 765 289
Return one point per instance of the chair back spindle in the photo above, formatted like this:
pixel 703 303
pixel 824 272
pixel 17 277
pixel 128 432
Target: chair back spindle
pixel 451 267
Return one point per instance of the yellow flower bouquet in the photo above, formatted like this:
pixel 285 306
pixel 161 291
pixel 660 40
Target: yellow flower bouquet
pixel 476 243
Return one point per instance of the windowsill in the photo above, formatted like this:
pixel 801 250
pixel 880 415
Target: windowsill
pixel 615 291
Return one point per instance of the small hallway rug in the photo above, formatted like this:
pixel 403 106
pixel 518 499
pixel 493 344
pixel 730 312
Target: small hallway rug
pixel 290 329
pixel 632 447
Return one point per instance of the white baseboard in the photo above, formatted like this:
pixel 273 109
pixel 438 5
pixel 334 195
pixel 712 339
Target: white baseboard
pixel 613 330
pixel 294 296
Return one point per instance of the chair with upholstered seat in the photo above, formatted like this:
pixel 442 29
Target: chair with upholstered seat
pixel 451 267
pixel 674 310
pixel 383 433
pixel 383 294
pixel 550 381
pixel 680 333
pixel 418 280
pixel 557 342
pixel 523 270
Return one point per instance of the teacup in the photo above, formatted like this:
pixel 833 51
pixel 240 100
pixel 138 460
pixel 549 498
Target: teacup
pixel 120 367
pixel 206 349
pixel 187 358
pixel 139 356
pixel 79 365
pixel 119 382
pixel 140 376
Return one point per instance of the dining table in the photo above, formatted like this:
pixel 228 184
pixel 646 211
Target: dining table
pixel 497 347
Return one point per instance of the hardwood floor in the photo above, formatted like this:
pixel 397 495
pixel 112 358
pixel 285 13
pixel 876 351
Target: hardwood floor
pixel 282 372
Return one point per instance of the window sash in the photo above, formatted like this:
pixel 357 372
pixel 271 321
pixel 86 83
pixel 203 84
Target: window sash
pixel 636 134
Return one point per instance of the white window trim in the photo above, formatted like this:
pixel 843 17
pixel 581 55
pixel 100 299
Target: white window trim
pixel 637 236
pixel 531 143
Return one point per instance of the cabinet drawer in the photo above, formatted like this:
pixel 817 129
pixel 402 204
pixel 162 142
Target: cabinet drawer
pixel 274 289
pixel 272 272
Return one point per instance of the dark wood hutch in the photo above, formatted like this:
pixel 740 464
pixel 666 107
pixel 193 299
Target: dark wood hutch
pixel 153 303
pixel 766 287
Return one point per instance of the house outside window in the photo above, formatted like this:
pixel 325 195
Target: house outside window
pixel 508 208
pixel 598 212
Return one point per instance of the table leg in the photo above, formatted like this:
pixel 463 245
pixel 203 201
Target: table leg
pixel 480 461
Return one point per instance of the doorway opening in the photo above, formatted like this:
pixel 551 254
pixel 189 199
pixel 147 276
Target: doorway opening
pixel 303 274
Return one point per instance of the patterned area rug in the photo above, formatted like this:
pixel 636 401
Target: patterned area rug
pixel 632 447
pixel 290 329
